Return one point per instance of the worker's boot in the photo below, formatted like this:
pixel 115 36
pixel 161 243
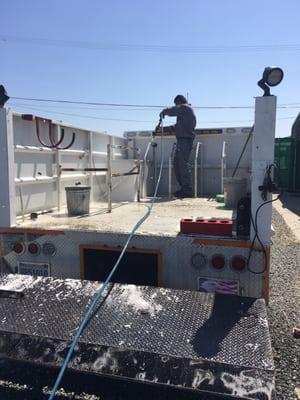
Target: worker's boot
pixel 184 193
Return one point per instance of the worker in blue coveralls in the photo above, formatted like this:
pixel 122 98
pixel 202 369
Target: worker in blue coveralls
pixel 184 129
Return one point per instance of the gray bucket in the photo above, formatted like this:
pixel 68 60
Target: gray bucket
pixel 234 190
pixel 78 200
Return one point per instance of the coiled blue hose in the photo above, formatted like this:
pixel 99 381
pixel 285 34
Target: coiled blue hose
pixel 98 294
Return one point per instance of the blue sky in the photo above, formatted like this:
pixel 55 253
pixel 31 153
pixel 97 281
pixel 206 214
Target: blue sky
pixel 61 71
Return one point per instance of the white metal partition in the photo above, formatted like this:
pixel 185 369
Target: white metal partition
pixel 207 172
pixel 32 179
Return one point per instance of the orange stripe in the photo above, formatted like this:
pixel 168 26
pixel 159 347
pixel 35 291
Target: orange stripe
pixel 226 243
pixel 32 231
pixel 266 277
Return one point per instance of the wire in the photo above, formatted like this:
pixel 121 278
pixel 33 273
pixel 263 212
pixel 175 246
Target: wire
pixel 142 105
pixel 152 47
pixel 87 116
pixel 100 292
pixel 85 102
pixel 256 236
pixel 96 108
pixel 32 107
pixel 78 107
pixel 243 151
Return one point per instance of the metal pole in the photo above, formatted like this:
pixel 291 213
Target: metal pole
pixel 139 176
pixel 201 170
pixel 170 176
pixel 223 166
pixel 154 166
pixel 22 203
pixel 91 176
pixel 196 170
pixel 262 157
pixel 58 173
pixel 170 168
pixel 7 178
pixel 144 167
pixel 108 178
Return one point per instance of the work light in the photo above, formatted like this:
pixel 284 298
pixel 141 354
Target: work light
pixel 3 96
pixel 272 76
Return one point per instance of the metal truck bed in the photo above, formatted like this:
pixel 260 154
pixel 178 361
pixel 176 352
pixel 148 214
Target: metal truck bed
pixel 164 219
pixel 154 339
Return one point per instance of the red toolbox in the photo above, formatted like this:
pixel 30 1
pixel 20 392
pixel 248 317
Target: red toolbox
pixel 203 226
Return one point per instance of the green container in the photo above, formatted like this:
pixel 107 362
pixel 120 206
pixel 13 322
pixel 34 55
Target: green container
pixel 285 160
pixel 220 198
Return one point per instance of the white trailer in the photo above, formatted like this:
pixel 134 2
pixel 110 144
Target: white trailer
pixel 184 314
pixel 38 237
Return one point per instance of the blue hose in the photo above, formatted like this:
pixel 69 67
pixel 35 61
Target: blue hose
pixel 98 294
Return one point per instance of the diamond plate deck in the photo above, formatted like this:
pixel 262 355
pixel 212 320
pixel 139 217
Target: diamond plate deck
pixel 185 339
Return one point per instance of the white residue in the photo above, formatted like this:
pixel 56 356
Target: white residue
pixel 252 346
pixel 245 385
pixel 106 361
pixel 70 287
pixel 132 296
pixel 141 376
pixel 17 283
pixel 263 322
pixel 201 376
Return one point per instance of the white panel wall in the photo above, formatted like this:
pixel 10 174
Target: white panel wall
pixel 36 167
pixel 209 165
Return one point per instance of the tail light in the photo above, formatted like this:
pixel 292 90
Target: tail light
pixel 19 248
pixel 34 248
pixel 218 261
pixel 238 263
pixel 198 260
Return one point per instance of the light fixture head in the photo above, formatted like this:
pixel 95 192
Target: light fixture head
pixel 3 96
pixel 272 76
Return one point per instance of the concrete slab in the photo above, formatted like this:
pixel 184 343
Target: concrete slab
pixel 289 207
pixel 164 219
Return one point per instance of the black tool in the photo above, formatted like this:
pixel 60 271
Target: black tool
pixel 243 217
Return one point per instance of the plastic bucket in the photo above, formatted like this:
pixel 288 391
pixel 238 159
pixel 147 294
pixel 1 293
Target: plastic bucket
pixel 78 200
pixel 234 190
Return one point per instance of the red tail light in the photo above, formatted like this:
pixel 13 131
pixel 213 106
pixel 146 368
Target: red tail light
pixel 218 261
pixel 19 248
pixel 238 263
pixel 33 248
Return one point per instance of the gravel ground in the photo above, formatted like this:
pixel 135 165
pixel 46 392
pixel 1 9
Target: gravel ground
pixel 284 308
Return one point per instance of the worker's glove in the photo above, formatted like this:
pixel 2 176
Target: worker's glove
pixel 162 115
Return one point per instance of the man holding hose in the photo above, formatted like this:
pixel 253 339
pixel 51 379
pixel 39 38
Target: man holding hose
pixel 184 129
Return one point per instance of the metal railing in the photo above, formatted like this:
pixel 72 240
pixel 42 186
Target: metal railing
pixel 136 170
pixel 170 166
pixel 198 145
pixel 223 165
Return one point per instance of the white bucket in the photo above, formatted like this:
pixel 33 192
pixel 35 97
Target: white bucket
pixel 234 190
